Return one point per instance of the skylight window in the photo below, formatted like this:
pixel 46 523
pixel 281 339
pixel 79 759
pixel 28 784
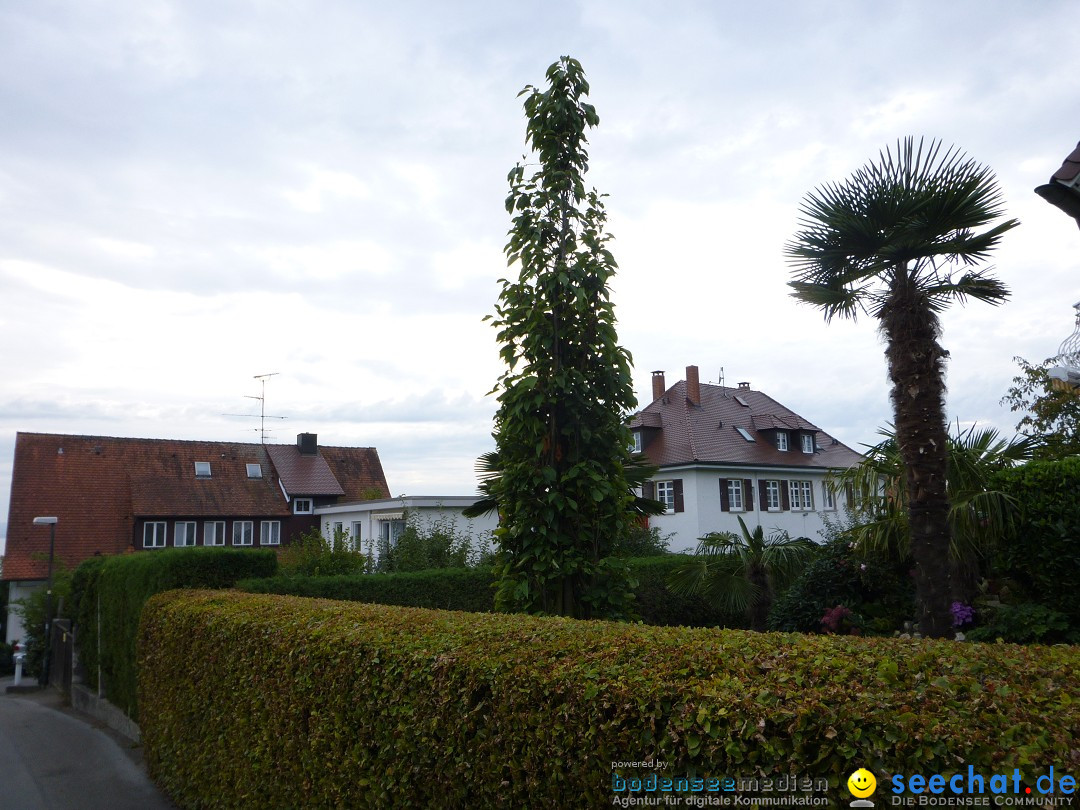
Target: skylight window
pixel 742 401
pixel 202 469
pixel 254 470
pixel 745 434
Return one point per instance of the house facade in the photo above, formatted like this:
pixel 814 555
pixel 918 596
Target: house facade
pixel 725 453
pixel 117 495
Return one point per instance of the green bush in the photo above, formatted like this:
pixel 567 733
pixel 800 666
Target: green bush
pixel 7 662
pixel 32 610
pixel 122 584
pixel 1025 623
pixel 658 605
pixel 1043 553
pixel 641 541
pixel 270 701
pixel 879 593
pixel 312 554
pixel 424 546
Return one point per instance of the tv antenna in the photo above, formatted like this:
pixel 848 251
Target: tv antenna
pixel 262 407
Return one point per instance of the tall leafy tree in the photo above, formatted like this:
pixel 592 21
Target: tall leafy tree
pixel 902 239
pixel 1051 414
pixel 562 473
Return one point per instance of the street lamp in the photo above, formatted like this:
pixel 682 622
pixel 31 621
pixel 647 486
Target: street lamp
pixel 43 678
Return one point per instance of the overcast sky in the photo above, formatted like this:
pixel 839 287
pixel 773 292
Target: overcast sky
pixel 194 193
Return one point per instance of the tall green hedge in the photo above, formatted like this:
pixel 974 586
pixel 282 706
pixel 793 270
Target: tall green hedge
pixel 1044 551
pixel 472 590
pixel 273 701
pixel 122 584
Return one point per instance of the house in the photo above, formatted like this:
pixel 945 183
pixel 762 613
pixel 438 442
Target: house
pixel 377 524
pixel 116 495
pixel 730 452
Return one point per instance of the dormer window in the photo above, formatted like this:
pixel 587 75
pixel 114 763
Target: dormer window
pixel 302 506
pixel 781 440
pixel 808 443
pixel 254 470
pixel 635 447
pixel 202 469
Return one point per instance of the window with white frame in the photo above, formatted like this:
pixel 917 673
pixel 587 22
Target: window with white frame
pixel 808 442
pixel 184 533
pixel 270 533
pixel 781 440
pixel 801 496
pixel 214 533
pixel 635 446
pixel 356 535
pixel 302 506
pixel 202 469
pixel 242 532
pixel 828 496
pixel 665 493
pixel 154 534
pixel 735 494
pixel 772 496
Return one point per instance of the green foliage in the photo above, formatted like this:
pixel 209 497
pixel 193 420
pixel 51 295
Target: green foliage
pixel 122 584
pixel 1025 623
pixel 270 701
pixel 7 659
pixel 743 572
pixel 559 474
pixel 1043 551
pixel 878 592
pixel 312 554
pixel 657 604
pixel 1051 415
pixel 32 611
pixel 446 589
pixel 423 546
pixel 641 541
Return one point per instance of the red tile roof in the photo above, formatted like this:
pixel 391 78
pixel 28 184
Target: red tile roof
pixel 97 486
pixel 706 433
pixel 303 474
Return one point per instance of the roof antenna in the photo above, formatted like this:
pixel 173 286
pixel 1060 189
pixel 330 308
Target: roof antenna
pixel 723 389
pixel 262 407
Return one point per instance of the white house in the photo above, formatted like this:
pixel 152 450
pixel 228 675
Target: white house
pixel 728 452
pixel 372 523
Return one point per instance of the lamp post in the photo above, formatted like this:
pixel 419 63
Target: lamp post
pixel 43 678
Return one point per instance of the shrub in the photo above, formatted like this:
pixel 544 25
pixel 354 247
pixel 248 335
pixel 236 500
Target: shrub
pixel 879 594
pixel 269 701
pixel 1043 553
pixel 642 541
pixel 7 659
pixel 657 604
pixel 124 583
pixel 312 554
pixel 32 610
pixel 422 546
pixel 1024 623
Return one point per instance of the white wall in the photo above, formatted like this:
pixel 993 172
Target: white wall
pixel 703 512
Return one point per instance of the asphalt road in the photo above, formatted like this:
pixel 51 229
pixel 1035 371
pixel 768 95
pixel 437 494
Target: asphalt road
pixel 52 758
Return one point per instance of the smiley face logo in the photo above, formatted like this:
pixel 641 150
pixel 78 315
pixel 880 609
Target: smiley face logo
pixel 861 783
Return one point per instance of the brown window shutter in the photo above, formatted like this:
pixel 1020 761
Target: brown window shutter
pixel 676 485
pixel 763 497
pixel 725 505
pixel 748 494
pixel 785 501
pixel 648 490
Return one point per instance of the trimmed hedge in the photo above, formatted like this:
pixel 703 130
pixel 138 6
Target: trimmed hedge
pixel 274 701
pixel 124 583
pixel 472 590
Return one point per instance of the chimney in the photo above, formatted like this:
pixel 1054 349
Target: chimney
pixel 658 387
pixel 693 387
pixel 307 444
pixel 744 386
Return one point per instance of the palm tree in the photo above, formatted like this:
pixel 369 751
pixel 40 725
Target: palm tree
pixel 979 514
pixel 886 241
pixel 741 573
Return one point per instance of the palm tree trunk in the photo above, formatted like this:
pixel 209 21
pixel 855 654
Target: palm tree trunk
pixel 917 372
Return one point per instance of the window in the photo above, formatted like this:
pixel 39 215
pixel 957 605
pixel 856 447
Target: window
pixel 302 506
pixel 743 432
pixel 635 447
pixel 202 469
pixel 665 493
pixel 734 494
pixel 772 496
pixel 241 532
pixel 828 497
pixel 270 533
pixel 254 470
pixel 800 494
pixel 214 533
pixel 356 535
pixel 154 535
pixel 781 440
pixel 808 442
pixel 184 533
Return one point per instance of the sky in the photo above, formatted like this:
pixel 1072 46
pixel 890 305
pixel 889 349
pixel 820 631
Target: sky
pixel 195 193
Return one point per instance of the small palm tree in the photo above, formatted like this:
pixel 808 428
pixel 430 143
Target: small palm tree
pixel 887 241
pixel 741 573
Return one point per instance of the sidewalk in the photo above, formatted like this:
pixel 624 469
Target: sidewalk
pixel 55 758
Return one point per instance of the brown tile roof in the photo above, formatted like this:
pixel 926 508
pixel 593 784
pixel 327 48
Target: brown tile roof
pixel 303 474
pixel 97 486
pixel 706 433
pixel 1069 169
